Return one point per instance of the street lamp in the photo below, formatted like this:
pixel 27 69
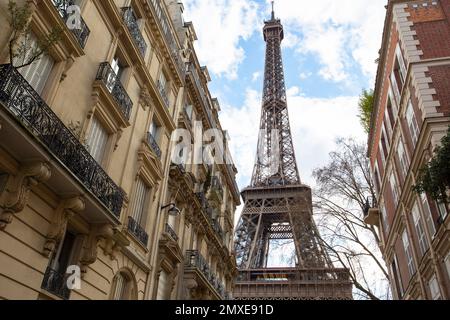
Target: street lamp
pixel 173 210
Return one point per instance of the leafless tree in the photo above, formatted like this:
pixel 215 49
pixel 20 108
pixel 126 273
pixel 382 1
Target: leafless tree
pixel 343 187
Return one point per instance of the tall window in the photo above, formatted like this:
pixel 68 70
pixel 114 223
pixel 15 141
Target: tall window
pixel 154 130
pixel 400 66
pixel 38 72
pixel 189 111
pixel 163 284
pixel 397 279
pixel 123 288
pixel 404 163
pixel 384 219
pixel 394 187
pixel 434 288
pixel 163 81
pixel 392 106
pixel 418 225
pixel 447 264
pixel 427 214
pixel 140 202
pixel 97 140
pixel 441 209
pixel 408 253
pixel 412 123
pixel 383 154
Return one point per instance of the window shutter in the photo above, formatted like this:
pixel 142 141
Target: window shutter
pixel 98 139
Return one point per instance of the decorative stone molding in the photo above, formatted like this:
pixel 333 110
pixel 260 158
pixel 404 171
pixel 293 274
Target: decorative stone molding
pixel 105 236
pixel 145 100
pixel 17 190
pixel 67 209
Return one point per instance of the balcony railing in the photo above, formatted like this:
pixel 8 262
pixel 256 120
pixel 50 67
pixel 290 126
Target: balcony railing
pixel 154 145
pixel 56 283
pixel 163 21
pixel 129 17
pixel 112 82
pixel 81 33
pixel 138 231
pixel 163 93
pixel 194 74
pixel 218 229
pixel 28 107
pixel 169 230
pixel 195 260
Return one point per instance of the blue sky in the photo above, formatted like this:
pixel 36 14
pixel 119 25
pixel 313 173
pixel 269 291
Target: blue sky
pixel 329 55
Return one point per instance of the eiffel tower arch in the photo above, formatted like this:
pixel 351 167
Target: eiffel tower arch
pixel 277 206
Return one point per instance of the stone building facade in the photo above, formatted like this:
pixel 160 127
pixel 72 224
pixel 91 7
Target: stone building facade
pixel 411 115
pixel 87 181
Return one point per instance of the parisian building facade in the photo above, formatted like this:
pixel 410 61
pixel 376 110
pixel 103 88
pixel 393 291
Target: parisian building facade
pixel 88 184
pixel 411 115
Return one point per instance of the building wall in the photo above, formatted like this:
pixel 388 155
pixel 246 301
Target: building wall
pixel 421 31
pixel 41 200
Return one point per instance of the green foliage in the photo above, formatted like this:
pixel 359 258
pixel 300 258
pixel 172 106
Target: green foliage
pixel 365 106
pixel 22 51
pixel 434 177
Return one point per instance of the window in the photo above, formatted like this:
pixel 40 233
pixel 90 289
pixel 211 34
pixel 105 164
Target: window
pixel 400 64
pixel 395 88
pixel 64 255
pixel 162 286
pixel 427 214
pixel 377 179
pixel 383 155
pixel 442 209
pixel 189 111
pixel 434 288
pixel 412 123
pixel 394 187
pixel 154 130
pixel 447 264
pixel 163 81
pixel 114 78
pixel 418 225
pixel 404 163
pixel 408 253
pixel 397 280
pixel 386 139
pixel 140 202
pixel 392 106
pixel 38 72
pixel 384 219
pixel 123 288
pixel 97 140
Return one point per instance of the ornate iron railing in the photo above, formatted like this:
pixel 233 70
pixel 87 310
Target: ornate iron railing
pixel 163 21
pixel 138 231
pixel 82 33
pixel 195 260
pixel 112 82
pixel 163 93
pixel 169 230
pixel 28 107
pixel 129 17
pixel 56 283
pixel 154 145
pixel 193 72
pixel 218 229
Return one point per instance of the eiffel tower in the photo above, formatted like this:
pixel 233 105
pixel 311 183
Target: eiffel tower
pixel 278 207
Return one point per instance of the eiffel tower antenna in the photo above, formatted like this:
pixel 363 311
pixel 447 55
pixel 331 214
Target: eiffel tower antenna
pixel 273 11
pixel 277 206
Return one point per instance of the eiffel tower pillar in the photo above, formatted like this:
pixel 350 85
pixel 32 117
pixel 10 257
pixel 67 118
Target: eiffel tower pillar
pixel 277 206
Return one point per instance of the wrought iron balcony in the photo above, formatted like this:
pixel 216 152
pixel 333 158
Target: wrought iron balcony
pixel 129 17
pixel 138 231
pixel 196 80
pixel 194 260
pixel 81 33
pixel 56 283
pixel 154 145
pixel 112 82
pixel 25 104
pixel 218 229
pixel 164 24
pixel 163 93
pixel 169 230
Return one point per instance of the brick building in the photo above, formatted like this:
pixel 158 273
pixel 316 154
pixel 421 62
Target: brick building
pixel 411 115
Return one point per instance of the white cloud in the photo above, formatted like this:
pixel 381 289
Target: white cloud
pixel 255 76
pixel 220 25
pixel 305 75
pixel 341 33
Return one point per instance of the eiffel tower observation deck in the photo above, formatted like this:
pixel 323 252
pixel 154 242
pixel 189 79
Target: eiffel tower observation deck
pixel 278 207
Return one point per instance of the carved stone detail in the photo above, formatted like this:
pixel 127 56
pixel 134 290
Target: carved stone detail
pixel 17 190
pixel 67 209
pixel 145 100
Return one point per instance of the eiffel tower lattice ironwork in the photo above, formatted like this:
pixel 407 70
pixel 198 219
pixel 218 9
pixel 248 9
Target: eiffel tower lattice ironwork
pixel 277 206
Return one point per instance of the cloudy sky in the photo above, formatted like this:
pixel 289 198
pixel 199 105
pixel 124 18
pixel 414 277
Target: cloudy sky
pixel 329 54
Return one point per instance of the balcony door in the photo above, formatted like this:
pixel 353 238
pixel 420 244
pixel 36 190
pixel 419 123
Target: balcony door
pixel 38 72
